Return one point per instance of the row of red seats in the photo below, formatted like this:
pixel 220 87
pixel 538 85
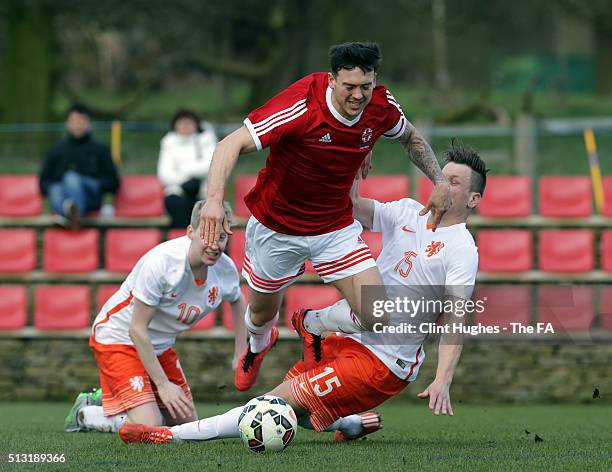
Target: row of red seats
pixel 506 196
pixel 76 251
pixel 559 251
pixel 65 307
pixel 138 196
pixel 58 307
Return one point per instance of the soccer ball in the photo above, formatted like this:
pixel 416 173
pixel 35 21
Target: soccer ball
pixel 267 423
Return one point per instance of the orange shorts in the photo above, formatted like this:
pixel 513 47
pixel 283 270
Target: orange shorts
pixel 349 380
pixel 124 379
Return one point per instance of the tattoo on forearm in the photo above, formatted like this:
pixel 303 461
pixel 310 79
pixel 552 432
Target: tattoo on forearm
pixel 421 154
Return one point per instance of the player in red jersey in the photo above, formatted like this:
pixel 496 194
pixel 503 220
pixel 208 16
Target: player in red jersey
pixel 320 131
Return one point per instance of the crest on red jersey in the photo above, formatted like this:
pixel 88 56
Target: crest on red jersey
pixel 213 293
pixel 366 136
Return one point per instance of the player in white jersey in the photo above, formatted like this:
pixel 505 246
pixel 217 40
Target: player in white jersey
pixel 170 289
pixel 356 373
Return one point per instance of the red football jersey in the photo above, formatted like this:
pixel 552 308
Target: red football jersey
pixel 315 153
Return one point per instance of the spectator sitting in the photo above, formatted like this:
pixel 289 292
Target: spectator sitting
pixel 184 160
pixel 77 171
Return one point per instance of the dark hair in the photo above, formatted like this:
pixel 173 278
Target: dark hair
pixel 366 56
pixel 188 114
pixel 79 108
pixel 462 154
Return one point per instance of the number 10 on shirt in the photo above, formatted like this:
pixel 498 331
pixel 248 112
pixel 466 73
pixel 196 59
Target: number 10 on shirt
pixel 188 315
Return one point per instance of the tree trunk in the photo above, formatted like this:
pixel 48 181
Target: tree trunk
pixel 441 74
pixel 26 89
pixel 603 58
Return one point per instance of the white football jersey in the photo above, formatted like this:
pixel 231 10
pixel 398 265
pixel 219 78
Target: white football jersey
pixel 163 278
pixel 417 261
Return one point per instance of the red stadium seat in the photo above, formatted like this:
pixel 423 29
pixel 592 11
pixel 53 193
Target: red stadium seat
pixel 20 195
pixel 70 251
pixel 140 196
pixel 504 250
pixel 605 304
pixel 104 293
pixel 607 188
pixel 424 189
pixel 17 250
pixel 374 242
pixel 606 250
pixel 385 188
pixel 503 304
pixel 175 233
pixel 243 185
pixel 565 197
pixel 568 308
pixel 205 323
pixel 236 247
pixel 506 197
pixel 309 296
pixel 13 307
pixel 61 307
pixel 125 246
pixel 227 309
pixel 566 250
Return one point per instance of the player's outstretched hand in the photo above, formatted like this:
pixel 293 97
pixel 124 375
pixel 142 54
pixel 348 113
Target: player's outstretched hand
pixel 439 397
pixel 175 400
pixel 439 202
pixel 212 220
pixel 366 166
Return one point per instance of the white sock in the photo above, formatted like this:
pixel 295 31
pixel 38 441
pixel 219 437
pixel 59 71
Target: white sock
pixel 338 317
pixel 259 335
pixel 215 427
pixel 348 425
pixel 92 417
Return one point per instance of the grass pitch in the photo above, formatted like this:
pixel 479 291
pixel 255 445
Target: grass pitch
pixel 476 438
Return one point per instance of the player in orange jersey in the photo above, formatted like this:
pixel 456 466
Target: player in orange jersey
pixel 357 372
pixel 171 288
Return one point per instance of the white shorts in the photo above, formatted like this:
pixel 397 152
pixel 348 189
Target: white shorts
pixel 273 261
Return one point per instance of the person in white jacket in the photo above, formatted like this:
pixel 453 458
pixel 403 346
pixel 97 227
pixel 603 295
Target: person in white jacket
pixel 184 160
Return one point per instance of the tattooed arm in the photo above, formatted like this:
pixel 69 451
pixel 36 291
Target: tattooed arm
pixel 420 153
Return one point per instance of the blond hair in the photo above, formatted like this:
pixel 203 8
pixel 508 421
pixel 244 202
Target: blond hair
pixel 197 209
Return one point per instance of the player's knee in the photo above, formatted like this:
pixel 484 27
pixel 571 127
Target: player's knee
pixel 284 391
pixel 146 414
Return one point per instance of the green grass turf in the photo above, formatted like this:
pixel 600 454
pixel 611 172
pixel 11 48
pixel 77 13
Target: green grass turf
pixel 476 438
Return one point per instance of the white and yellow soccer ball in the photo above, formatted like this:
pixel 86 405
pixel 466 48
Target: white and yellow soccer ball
pixel 267 423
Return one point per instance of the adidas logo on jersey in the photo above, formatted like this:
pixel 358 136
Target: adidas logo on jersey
pixel 326 138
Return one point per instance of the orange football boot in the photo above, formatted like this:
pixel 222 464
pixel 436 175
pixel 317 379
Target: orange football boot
pixel 311 343
pixel 250 362
pixel 143 434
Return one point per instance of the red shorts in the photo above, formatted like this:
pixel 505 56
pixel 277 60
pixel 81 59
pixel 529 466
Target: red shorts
pixel 124 380
pixel 349 380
